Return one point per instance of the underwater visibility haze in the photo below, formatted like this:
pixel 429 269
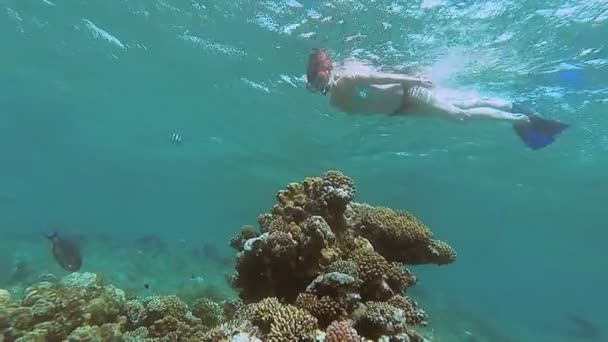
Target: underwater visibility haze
pixel 149 132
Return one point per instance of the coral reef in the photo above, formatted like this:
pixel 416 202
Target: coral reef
pixel 81 307
pixel 52 311
pixel 320 267
pixel 343 262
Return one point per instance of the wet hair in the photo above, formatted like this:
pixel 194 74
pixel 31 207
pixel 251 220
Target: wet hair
pixel 317 60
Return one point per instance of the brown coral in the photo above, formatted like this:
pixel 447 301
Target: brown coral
pixel 437 252
pixel 344 266
pixel 325 196
pixel 380 279
pixel 164 316
pixel 378 319
pixel 276 264
pixel 306 301
pixel 413 314
pixel 270 265
pixel 209 312
pixel 231 306
pixel 327 309
pixel 247 232
pixel 158 307
pixel 261 313
pixel 340 331
pixel 400 236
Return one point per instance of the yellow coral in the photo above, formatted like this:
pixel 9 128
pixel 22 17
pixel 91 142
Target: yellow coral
pixel 5 297
pixel 292 324
pixel 328 256
pixel 261 313
pixel 291 202
pixel 292 196
pixel 351 243
pixel 279 322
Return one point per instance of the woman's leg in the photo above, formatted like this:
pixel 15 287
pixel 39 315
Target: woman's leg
pixel 491 102
pixel 479 112
pixel 495 114
pixel 482 108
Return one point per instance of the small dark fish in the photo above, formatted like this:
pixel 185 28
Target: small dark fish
pixel 66 253
pixel 146 285
pixel 175 138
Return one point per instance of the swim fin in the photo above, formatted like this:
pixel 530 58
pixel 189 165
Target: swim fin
pixel 539 132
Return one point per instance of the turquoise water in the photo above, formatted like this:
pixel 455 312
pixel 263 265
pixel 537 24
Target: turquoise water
pixel 91 92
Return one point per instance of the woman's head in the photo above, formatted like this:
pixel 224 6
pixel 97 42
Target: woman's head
pixel 318 74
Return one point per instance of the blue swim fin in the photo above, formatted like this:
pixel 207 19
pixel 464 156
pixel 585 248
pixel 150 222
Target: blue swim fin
pixel 539 132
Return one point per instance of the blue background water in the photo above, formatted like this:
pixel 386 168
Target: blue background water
pixel 91 92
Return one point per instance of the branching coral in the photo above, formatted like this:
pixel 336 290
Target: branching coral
pixel 209 312
pixel 279 322
pixel 340 331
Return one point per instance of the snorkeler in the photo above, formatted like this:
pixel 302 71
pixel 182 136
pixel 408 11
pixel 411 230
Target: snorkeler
pixel 356 88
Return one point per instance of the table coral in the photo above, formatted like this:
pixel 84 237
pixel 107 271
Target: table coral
pixel 399 236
